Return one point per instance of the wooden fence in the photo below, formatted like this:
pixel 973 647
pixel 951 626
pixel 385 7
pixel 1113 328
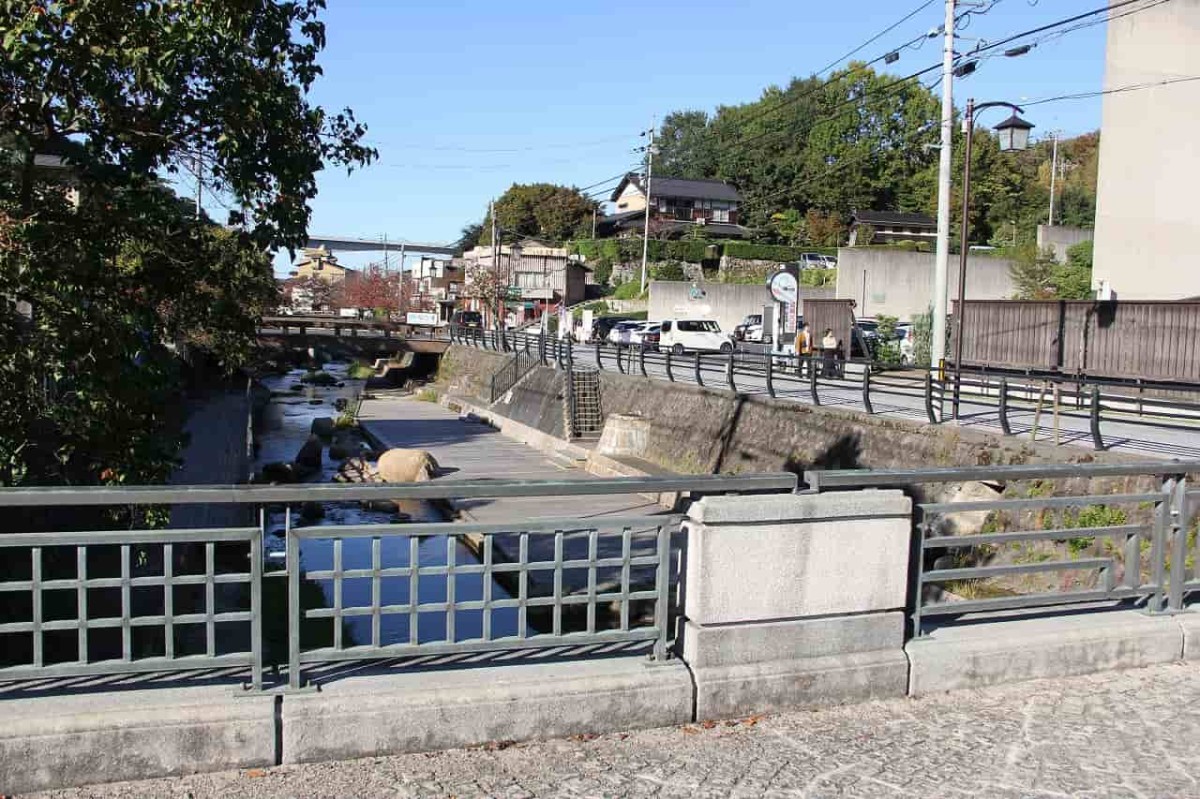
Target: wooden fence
pixel 1151 340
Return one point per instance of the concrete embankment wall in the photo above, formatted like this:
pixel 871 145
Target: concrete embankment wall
pixel 704 430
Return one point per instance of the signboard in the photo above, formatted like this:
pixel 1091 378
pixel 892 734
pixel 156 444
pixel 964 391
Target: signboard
pixel 513 293
pixel 420 318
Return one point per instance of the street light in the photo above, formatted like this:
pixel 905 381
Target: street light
pixel 1014 136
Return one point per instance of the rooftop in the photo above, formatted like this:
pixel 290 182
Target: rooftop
pixel 686 188
pixel 893 218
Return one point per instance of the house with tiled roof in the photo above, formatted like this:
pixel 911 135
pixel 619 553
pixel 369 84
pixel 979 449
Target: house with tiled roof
pixel 677 206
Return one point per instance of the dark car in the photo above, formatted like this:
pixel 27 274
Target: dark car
pixel 467 319
pixel 602 326
pixel 749 321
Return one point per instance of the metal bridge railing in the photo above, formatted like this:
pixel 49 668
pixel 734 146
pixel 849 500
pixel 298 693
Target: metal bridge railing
pixel 537 584
pixel 115 602
pixel 118 595
pixel 1102 546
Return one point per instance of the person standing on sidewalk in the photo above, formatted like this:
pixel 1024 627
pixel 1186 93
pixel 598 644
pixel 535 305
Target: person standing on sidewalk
pixel 829 345
pixel 803 349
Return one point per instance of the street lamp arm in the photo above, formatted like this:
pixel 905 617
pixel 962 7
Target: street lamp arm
pixel 999 104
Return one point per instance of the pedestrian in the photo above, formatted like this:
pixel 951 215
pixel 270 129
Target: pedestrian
pixel 803 349
pixel 829 345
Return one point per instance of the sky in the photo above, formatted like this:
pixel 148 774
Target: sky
pixel 463 98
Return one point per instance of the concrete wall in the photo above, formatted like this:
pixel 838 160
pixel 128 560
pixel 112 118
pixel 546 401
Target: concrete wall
pixel 1060 238
pixel 728 303
pixel 900 283
pixel 1146 226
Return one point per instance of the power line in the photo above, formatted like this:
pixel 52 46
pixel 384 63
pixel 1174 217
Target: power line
pixel 878 36
pixel 1133 87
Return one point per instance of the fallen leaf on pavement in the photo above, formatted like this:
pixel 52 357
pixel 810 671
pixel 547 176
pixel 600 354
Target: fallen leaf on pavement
pixel 256 772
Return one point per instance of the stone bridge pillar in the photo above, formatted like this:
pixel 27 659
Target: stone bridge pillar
pixel 796 600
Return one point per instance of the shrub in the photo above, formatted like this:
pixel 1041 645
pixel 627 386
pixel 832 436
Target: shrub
pixel 627 291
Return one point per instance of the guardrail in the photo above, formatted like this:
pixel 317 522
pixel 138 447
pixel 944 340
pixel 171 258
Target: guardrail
pixel 1124 546
pixel 813 379
pixel 172 601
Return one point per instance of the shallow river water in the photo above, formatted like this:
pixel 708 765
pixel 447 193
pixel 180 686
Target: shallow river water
pixel 286 426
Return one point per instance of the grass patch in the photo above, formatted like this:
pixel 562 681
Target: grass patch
pixel 360 371
pixel 427 395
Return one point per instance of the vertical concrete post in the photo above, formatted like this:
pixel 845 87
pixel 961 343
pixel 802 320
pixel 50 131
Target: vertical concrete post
pixel 796 600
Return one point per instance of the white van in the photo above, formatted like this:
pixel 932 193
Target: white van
pixel 693 335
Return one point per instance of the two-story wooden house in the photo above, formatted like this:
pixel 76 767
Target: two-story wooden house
pixel 677 205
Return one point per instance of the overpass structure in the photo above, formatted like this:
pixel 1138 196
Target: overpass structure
pixel 383 244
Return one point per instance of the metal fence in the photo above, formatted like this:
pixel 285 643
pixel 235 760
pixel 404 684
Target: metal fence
pixel 1106 545
pixel 171 601
pixel 1025 402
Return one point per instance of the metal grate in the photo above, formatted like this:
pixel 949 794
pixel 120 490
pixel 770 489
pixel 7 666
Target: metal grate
pixel 541 584
pixel 159 622
pixel 586 416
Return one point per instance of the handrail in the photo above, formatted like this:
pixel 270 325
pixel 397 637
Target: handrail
pixel 442 489
pixel 820 480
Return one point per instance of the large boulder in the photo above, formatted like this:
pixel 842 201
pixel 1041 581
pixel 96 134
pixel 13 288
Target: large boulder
pixel 356 470
pixel 322 427
pixel 277 472
pixel 308 459
pixel 407 466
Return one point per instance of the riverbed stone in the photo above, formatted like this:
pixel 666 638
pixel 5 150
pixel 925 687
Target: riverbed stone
pixel 322 426
pixel 278 472
pixel 312 511
pixel 407 466
pixel 308 459
pixel 356 470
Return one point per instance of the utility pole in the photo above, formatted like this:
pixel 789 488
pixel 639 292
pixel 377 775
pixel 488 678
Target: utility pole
pixel 496 263
pixel 1053 174
pixel 941 283
pixel 649 180
pixel 594 223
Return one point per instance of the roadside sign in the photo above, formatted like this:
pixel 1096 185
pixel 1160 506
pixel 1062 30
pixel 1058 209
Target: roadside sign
pixel 420 318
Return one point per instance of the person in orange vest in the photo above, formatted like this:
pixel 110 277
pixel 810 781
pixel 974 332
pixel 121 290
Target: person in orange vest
pixel 803 349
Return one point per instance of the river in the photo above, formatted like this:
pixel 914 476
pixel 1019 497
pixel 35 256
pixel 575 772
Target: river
pixel 286 425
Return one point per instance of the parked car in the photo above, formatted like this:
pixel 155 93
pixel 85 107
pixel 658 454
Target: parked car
pixel 651 335
pixel 641 334
pixel 602 326
pixel 748 321
pixel 815 260
pixel 622 334
pixel 693 335
pixel 467 319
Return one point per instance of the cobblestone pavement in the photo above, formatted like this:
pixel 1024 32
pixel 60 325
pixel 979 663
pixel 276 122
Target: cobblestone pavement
pixel 1124 734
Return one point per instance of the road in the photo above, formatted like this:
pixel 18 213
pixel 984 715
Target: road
pixel 1117 734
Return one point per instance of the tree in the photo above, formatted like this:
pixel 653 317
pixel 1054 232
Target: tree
pixel 1032 272
pixel 541 210
pixel 487 285
pixel 469 238
pixel 687 149
pixel 130 93
pixel 375 289
pixel 1073 280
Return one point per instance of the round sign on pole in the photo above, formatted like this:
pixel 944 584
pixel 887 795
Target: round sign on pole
pixel 783 288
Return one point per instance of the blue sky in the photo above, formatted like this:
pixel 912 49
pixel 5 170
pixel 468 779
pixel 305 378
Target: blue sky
pixel 464 98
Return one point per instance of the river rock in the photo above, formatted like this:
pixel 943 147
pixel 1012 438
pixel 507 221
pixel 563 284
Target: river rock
pixel 322 427
pixel 277 472
pixel 312 511
pixel 308 459
pixel 356 470
pixel 407 466
pixel 341 449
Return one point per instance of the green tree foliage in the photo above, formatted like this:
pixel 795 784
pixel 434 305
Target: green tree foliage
pixel 97 291
pixel 469 238
pixel 856 141
pixel 1039 277
pixel 540 210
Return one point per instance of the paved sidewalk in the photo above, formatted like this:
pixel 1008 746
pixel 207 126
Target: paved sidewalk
pixel 1121 734
pixel 472 450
